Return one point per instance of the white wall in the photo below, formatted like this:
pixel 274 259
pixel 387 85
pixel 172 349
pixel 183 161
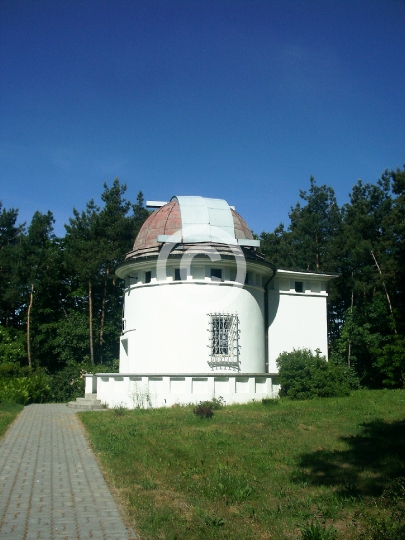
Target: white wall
pixel 164 390
pixel 297 321
pixel 165 334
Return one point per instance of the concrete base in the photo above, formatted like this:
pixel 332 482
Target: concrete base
pixel 164 390
pixel 88 403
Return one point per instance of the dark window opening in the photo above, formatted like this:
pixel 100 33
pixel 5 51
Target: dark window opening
pixel 216 273
pixel 299 286
pixel 148 277
pixel 220 334
pixel 177 276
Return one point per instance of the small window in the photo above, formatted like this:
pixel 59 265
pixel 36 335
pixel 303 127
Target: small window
pixel 299 286
pixel 148 277
pixel 216 273
pixel 177 276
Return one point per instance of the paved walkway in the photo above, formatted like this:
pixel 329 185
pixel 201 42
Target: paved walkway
pixel 51 487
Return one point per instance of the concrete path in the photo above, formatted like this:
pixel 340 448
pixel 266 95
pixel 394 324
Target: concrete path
pixel 51 487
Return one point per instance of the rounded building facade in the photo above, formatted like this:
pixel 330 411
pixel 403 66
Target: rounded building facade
pixel 194 294
pixel 204 314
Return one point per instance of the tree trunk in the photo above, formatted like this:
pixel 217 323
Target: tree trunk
pixel 102 319
pixel 29 325
pixel 91 323
pixel 386 291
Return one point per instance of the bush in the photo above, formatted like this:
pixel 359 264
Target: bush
pixel 12 346
pixel 305 375
pixel 34 388
pixel 68 383
pixel 203 410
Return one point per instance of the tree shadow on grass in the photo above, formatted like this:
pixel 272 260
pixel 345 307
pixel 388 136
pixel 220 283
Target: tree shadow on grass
pixel 374 457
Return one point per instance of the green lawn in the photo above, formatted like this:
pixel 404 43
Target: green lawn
pixel 8 411
pixel 253 471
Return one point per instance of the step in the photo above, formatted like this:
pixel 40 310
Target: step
pixel 88 400
pixel 89 406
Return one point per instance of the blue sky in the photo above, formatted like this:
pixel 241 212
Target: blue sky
pixel 241 100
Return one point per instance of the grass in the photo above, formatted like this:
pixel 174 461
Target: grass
pixel 308 470
pixel 8 412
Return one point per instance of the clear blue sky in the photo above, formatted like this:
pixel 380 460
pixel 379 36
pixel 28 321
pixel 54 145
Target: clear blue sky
pixel 241 100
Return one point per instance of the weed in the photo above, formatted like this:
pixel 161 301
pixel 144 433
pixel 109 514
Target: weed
pixel 317 531
pixel 141 397
pixel 119 410
pixel 270 401
pixel 148 483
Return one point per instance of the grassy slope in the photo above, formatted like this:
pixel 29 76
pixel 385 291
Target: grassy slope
pixel 8 411
pixel 253 471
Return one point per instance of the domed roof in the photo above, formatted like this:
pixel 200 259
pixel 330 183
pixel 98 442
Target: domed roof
pixel 192 220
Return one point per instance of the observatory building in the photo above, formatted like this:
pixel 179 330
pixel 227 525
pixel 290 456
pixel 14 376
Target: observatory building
pixel 205 315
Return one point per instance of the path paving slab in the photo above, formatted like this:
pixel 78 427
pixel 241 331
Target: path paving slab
pixel 51 487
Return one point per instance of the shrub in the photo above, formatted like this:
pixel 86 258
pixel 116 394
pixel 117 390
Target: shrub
pixel 305 375
pixel 12 345
pixel 204 410
pixel 34 388
pixel 68 383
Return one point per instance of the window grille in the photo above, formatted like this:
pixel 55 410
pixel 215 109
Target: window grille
pixel 224 341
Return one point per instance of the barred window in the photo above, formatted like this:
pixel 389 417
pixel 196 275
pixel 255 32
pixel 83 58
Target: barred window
pixel 224 341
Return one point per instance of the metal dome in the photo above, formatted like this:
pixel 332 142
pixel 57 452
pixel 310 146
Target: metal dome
pixel 192 220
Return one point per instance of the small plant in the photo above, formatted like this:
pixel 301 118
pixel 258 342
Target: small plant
pixel 216 403
pixel 270 401
pixel 141 397
pixel 317 531
pixel 148 483
pixel 214 521
pixel 204 410
pixel 119 410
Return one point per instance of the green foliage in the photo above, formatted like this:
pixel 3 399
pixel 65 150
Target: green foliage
pixel 119 410
pixel 68 383
pixel 304 375
pixel 34 388
pixel 270 401
pixel 386 519
pixel 389 360
pixel 318 531
pixel 8 412
pixel 12 345
pixel 203 410
pixel 71 340
pixel 254 471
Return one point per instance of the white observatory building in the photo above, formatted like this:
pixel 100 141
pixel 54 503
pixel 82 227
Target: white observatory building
pixel 205 315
